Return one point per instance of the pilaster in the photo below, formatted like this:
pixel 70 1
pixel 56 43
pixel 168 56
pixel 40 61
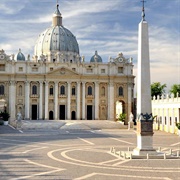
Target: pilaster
pixel 111 101
pixel 56 101
pixel 12 100
pixel 40 100
pixel 96 100
pixel 46 100
pixel 78 101
pixel 83 101
pixel 69 101
pixel 27 98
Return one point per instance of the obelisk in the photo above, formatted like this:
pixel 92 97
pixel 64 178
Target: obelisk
pixel 144 109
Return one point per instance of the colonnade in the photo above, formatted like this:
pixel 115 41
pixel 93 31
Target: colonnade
pixel 80 100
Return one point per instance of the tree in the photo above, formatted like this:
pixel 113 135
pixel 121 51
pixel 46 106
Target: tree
pixel 175 89
pixel 157 89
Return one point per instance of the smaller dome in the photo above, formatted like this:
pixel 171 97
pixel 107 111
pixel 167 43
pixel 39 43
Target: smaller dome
pixel 19 56
pixel 96 58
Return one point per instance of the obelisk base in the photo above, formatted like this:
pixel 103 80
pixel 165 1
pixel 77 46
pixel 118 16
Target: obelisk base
pixel 144 146
pixel 144 138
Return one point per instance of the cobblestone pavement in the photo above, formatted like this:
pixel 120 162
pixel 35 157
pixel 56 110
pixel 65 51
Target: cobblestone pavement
pixel 67 153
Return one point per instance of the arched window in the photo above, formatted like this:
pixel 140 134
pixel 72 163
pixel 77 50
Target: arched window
pixel 103 91
pixel 51 90
pixel 1 89
pixel 34 89
pixel 73 90
pixel 89 90
pixel 120 91
pixel 20 90
pixel 62 90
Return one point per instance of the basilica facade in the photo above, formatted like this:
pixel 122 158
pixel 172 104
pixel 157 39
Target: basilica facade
pixel 57 83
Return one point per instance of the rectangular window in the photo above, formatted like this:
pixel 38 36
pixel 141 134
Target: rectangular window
pixel 2 67
pixel 20 69
pixel 74 69
pixel 34 69
pixel 120 69
pixel 170 121
pixel 51 69
pixel 102 71
pixel 89 70
pixel 165 120
pixel 175 119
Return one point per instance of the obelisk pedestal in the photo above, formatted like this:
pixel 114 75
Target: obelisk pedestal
pixel 145 136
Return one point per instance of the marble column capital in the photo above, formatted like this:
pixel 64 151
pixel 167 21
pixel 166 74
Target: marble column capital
pixel 11 83
pixel 46 83
pixel 41 82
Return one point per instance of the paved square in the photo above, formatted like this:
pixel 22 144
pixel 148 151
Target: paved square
pixel 81 154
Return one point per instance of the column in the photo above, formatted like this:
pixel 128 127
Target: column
pixel 96 100
pixel 69 101
pixel 56 101
pixel 27 97
pixel 167 120
pixel 111 101
pixel 163 121
pixel 12 100
pixel 129 102
pixel 46 100
pixel 83 101
pixel 78 101
pixel 40 100
pixel 173 121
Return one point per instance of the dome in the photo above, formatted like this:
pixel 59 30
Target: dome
pixel 19 56
pixel 56 40
pixel 96 58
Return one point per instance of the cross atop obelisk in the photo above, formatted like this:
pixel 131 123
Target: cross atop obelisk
pixel 143 10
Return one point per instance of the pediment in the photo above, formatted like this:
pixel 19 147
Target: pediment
pixel 63 71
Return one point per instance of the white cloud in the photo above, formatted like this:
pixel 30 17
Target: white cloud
pixel 12 7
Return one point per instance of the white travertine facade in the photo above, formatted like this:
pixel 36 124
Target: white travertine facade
pixel 167 113
pixel 57 83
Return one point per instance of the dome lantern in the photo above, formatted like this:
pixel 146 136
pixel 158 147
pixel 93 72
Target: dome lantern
pixel 57 18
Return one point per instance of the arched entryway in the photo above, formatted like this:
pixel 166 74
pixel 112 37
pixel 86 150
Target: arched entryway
pixel 73 115
pixel 51 115
pixel 120 108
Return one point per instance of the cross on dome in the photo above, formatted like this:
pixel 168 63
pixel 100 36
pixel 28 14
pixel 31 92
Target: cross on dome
pixel 57 3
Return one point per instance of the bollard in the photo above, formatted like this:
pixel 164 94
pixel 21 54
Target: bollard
pixel 177 153
pixel 111 149
pixel 159 149
pixel 114 150
pixel 164 155
pixel 170 151
pixel 147 156
pixel 130 156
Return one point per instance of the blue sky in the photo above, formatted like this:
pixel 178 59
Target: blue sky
pixel 108 26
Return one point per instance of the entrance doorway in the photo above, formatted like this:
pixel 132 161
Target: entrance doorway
pixel 62 112
pixel 51 115
pixel 34 112
pixel 89 112
pixel 73 115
